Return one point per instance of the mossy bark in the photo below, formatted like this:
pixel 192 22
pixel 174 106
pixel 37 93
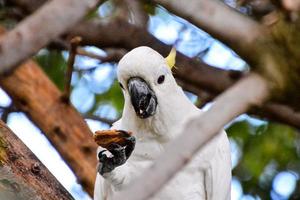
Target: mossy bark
pixel 279 61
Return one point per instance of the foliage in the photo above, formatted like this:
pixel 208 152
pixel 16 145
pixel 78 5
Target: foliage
pixel 54 64
pixel 263 150
pixel 266 150
pixel 113 96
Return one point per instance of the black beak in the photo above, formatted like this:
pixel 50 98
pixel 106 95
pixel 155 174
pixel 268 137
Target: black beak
pixel 142 97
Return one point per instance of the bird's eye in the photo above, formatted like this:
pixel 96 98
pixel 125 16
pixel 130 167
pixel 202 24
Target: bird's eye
pixel 121 85
pixel 161 79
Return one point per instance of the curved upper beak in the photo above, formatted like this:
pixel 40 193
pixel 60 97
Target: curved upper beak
pixel 142 97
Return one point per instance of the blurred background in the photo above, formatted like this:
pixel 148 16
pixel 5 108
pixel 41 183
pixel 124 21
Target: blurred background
pixel 265 155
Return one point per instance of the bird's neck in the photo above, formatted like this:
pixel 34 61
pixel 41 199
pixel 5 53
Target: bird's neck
pixel 172 111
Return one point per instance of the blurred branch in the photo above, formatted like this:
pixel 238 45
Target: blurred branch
pixel 238 31
pixel 28 5
pixel 278 112
pixel 6 111
pixel 23 176
pixel 291 5
pixel 18 44
pixel 74 43
pixel 12 13
pixel 252 90
pixel 140 17
pixel 33 93
pixel 259 8
pixel 112 55
pixel 101 119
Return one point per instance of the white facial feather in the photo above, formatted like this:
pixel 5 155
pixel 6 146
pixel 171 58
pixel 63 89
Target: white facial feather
pixel 142 62
pixel 173 105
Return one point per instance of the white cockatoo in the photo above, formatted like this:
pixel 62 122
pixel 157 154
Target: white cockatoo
pixel 155 109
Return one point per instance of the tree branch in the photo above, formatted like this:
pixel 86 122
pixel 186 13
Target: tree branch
pixel 195 75
pixel 23 176
pixel 252 90
pixel 200 75
pixel 113 55
pixel 6 111
pixel 28 5
pixel 70 65
pixel 121 34
pixel 34 32
pixel 33 93
pixel 140 17
pixel 98 118
pixel 239 32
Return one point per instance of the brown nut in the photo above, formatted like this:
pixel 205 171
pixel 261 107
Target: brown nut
pixel 106 137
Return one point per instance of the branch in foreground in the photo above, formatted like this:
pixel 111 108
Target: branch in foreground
pixel 34 32
pixel 252 91
pixel 23 176
pixel 33 93
pixel 216 18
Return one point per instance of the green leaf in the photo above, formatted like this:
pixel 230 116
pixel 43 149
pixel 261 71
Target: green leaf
pixel 54 65
pixel 113 96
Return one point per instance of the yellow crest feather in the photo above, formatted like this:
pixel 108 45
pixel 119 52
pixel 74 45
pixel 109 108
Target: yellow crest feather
pixel 171 58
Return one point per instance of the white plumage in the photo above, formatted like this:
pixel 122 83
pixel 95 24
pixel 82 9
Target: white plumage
pixel 207 176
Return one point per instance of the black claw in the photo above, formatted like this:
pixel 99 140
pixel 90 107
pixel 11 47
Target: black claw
pixel 119 154
pixel 130 144
pixel 101 155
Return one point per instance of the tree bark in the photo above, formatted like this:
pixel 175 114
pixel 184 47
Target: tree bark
pixel 33 33
pixel 34 94
pixel 22 175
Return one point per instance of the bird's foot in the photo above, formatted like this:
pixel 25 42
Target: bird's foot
pixel 119 155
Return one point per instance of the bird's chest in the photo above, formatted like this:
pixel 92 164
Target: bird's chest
pixel 147 149
pixel 187 184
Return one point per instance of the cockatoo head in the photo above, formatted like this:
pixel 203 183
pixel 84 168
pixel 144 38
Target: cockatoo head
pixel 145 77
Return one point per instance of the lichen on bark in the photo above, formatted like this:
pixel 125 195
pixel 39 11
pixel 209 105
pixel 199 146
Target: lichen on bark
pixel 280 61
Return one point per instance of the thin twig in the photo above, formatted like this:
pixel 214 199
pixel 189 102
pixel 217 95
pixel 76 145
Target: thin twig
pixel 101 119
pixel 83 52
pixel 6 111
pixel 72 54
pixel 113 55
